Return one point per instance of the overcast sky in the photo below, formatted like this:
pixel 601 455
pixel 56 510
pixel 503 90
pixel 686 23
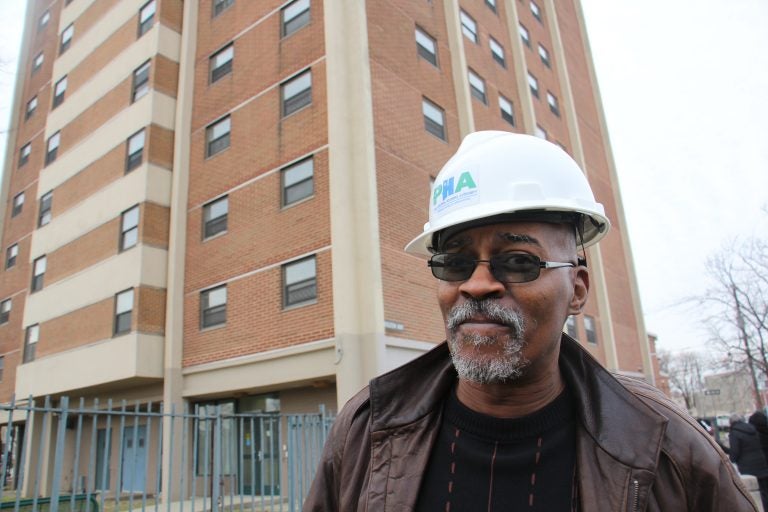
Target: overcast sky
pixel 684 85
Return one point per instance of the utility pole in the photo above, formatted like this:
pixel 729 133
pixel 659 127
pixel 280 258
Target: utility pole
pixel 745 341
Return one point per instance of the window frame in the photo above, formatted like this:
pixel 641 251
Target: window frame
pixel 38 62
pixel 219 6
pixel 429 122
pixel 544 56
pixel 29 112
pixel 220 223
pixel 301 18
pixel 44 213
pixel 147 24
pixel 140 84
pixel 509 117
pixel 38 279
pixel 554 104
pixel 491 4
pixel 52 153
pixel 214 72
pixel 135 158
pixel 17 206
pixel 477 86
pixel 468 26
pixel 299 284
pixel 540 132
pixel 131 230
pixel 2 367
pixel 42 22
pixel 30 346
pixel 590 327
pixel 533 85
pixel 24 153
pixel 424 52
pixel 298 168
pixel 11 253
pixel 572 327
pixel 65 40
pixel 119 328
pixel 207 311
pixel 58 96
pixel 536 11
pixel 214 146
pixel 525 34
pixel 5 312
pixel 497 53
pixel 299 100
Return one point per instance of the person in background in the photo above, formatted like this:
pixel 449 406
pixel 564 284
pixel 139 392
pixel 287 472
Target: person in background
pixel 760 422
pixel 747 453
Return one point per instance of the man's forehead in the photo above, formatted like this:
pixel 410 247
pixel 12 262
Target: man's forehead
pixel 524 233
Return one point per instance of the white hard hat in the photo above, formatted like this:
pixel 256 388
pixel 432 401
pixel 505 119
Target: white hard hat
pixel 495 173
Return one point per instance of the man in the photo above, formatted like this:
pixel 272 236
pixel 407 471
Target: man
pixel 746 451
pixel 510 413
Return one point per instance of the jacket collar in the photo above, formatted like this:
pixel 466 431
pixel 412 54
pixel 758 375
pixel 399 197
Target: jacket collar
pixel 608 411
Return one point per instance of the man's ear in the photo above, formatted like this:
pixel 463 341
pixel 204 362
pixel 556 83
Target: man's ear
pixel 580 291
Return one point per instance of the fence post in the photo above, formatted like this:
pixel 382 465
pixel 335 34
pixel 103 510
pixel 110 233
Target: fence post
pixel 58 460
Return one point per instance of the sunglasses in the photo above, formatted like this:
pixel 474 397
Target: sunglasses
pixel 506 268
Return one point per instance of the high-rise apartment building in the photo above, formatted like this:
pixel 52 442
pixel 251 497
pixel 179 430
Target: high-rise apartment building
pixel 207 200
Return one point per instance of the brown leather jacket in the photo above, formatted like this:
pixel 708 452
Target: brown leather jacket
pixel 636 451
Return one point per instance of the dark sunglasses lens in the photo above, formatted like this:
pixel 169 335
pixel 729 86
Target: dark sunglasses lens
pixel 452 267
pixel 516 268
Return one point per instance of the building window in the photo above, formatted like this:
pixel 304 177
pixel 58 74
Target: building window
pixel 220 62
pixel 66 38
pixel 213 307
pixel 507 113
pixel 571 328
pixel 468 26
pixel 296 93
pixel 217 136
pixel 38 63
pixel 220 6
pixel 5 311
pixel 590 326
pixel 24 153
pixel 294 16
pixel 18 204
pixel 434 118
pixel 44 215
pixel 38 273
pixel 146 17
pixel 44 19
pixel 299 282
pixel 10 255
pixel 535 10
pixel 31 108
pixel 533 84
pixel 477 86
pixel 135 150
pixel 554 107
pixel 497 51
pixel 2 367
pixel 426 46
pixel 123 311
pixel 140 82
pixel 491 4
pixel 524 35
pixel 52 147
pixel 298 182
pixel 59 91
pixel 30 342
pixel 129 228
pixel 544 55
pixel 215 215
pixel 540 132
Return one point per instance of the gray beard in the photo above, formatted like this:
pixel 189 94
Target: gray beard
pixel 508 365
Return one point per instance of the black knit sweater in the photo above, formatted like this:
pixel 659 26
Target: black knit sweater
pixel 483 463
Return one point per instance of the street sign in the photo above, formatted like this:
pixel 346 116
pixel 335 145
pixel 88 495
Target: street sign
pixel 710 392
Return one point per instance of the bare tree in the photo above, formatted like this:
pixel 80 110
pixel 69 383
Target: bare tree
pixel 685 371
pixel 736 306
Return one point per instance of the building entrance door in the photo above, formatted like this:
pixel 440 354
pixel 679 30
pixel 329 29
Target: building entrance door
pixel 134 458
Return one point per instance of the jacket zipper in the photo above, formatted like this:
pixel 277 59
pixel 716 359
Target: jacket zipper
pixel 635 495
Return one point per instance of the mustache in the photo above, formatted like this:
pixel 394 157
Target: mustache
pixel 489 309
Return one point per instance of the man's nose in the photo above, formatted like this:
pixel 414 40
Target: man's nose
pixel 482 283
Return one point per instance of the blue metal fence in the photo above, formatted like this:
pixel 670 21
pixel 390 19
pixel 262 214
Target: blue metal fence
pixel 118 456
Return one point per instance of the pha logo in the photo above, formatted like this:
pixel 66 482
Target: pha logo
pixel 453 191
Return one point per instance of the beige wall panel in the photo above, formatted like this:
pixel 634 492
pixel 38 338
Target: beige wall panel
pixel 73 11
pixel 142 265
pixel 154 108
pixel 267 369
pixel 399 351
pixel 115 359
pixel 146 183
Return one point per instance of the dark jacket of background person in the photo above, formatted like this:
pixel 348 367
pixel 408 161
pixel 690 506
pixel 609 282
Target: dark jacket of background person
pixel 760 422
pixel 746 451
pixel 636 451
